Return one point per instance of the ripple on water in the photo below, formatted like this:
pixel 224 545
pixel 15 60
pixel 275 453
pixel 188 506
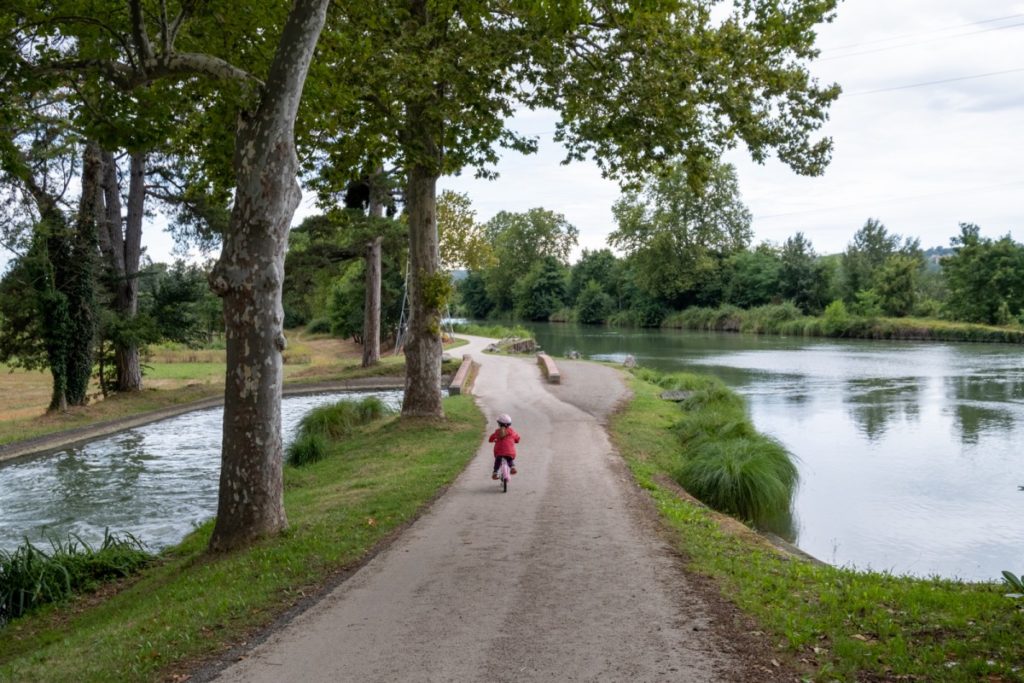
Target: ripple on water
pixel 157 482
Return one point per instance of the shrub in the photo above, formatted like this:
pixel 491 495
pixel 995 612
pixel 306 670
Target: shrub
pixel 593 305
pixel 319 326
pixel 837 318
pixel 752 478
pixel 30 577
pixel 331 422
pixel 770 318
pixel 306 449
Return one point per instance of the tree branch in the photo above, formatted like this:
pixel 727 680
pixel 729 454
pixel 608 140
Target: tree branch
pixel 139 33
pixel 128 77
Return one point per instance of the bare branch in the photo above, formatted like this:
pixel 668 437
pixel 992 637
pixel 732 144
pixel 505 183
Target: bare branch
pixel 181 64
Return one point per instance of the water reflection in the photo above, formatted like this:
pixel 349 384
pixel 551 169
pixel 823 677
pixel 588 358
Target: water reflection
pixel 906 451
pixel 875 403
pixel 157 482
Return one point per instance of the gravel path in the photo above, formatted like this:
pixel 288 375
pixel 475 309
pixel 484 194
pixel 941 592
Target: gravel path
pixel 564 578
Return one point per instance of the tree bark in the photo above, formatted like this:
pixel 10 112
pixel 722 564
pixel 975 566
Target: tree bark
pixel 79 278
pixel 421 139
pixel 249 276
pixel 122 247
pixel 423 342
pixel 371 308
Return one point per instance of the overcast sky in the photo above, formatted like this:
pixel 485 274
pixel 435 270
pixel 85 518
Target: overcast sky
pixel 923 138
pixel 920 159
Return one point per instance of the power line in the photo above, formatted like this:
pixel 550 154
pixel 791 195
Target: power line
pixel 919 42
pixel 891 200
pixel 939 82
pixel 921 33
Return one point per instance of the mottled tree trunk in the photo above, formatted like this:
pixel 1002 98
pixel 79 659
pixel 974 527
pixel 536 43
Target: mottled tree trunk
pixel 122 247
pixel 249 276
pixel 371 308
pixel 423 342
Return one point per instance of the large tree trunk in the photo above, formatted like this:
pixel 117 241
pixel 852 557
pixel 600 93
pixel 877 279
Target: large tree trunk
pixel 427 290
pixel 79 279
pixel 371 308
pixel 66 282
pixel 249 276
pixel 423 342
pixel 122 247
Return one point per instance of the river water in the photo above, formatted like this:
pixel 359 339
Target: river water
pixel 158 481
pixel 909 453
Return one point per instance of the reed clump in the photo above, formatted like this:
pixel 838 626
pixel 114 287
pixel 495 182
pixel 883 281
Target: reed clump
pixel 31 577
pixel 330 423
pixel 722 459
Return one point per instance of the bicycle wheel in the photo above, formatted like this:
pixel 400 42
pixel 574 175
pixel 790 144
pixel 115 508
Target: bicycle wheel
pixel 504 485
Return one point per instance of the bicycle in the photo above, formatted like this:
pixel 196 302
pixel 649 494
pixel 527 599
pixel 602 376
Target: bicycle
pixel 504 475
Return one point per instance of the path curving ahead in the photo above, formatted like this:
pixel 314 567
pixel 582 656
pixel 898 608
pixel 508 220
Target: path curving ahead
pixel 562 579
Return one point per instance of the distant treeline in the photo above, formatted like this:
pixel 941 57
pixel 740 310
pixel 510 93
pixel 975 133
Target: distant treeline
pixel 882 286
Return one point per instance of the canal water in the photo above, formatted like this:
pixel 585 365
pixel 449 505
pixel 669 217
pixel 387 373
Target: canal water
pixel 158 481
pixel 910 454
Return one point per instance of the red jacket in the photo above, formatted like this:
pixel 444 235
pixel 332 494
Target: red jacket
pixel 505 445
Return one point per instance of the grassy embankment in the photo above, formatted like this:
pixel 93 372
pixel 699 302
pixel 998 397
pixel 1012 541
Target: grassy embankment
pixel 835 624
pixel 175 375
pixel 189 606
pixel 786 319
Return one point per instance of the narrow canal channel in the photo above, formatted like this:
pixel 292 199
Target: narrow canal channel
pixel 157 482
pixel 910 454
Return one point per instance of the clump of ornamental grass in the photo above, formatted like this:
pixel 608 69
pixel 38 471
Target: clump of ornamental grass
pixel 331 422
pixel 751 478
pixel 723 460
pixel 30 576
pixel 307 448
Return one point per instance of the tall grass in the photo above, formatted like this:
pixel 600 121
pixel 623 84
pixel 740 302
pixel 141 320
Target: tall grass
pixel 30 577
pixel 330 423
pixel 721 458
pixel 752 478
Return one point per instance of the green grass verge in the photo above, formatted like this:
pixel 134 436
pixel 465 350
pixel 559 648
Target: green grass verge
pixel 331 422
pixel 835 624
pixel 191 605
pixel 722 459
pixel 31 576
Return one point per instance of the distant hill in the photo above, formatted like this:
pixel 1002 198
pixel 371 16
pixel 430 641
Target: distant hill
pixel 934 256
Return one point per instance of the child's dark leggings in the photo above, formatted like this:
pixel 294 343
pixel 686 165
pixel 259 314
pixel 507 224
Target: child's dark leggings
pixel 497 461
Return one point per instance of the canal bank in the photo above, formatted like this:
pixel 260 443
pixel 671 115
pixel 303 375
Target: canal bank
pixel 906 451
pixel 75 437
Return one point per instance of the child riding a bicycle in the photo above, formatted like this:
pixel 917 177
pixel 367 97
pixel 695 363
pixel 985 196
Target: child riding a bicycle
pixel 504 439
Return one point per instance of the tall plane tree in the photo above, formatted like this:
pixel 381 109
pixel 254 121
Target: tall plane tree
pixel 637 84
pixel 249 273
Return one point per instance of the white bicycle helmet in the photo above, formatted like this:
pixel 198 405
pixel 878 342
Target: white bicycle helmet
pixel 504 420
